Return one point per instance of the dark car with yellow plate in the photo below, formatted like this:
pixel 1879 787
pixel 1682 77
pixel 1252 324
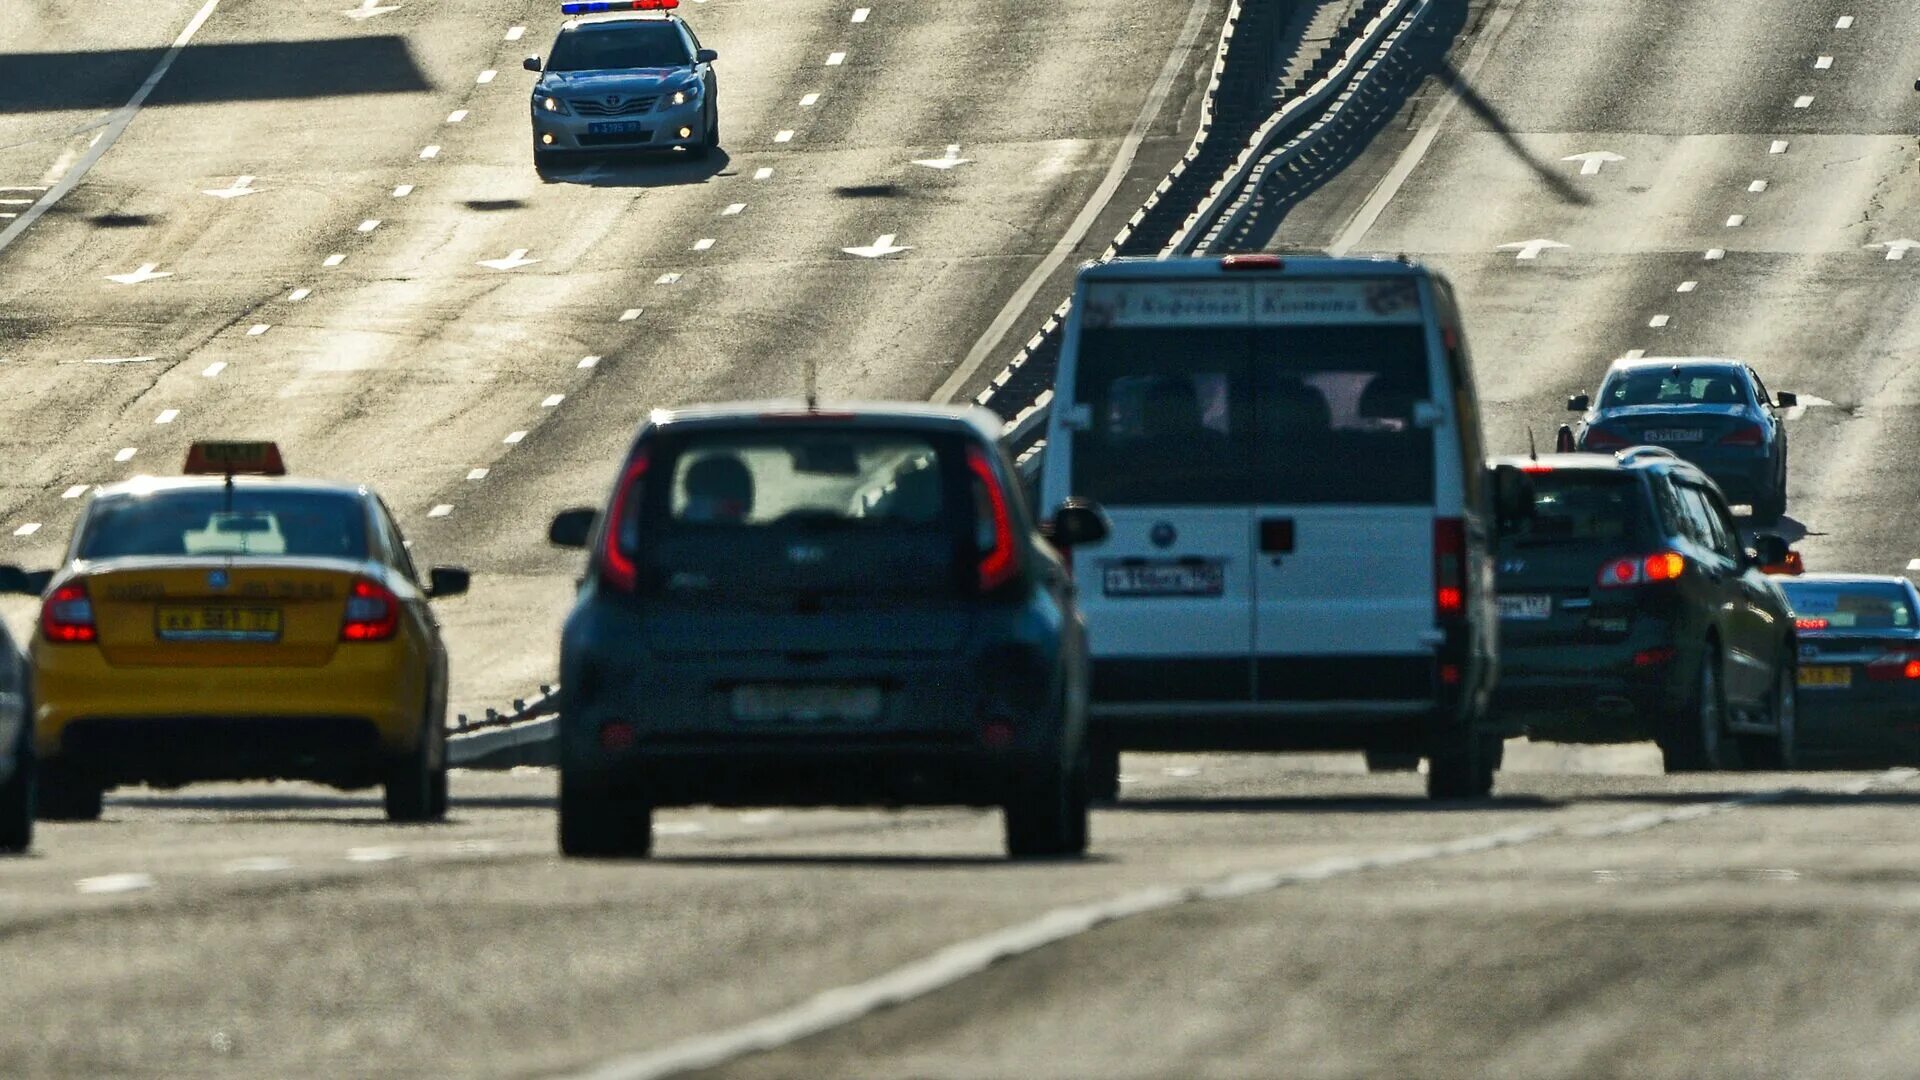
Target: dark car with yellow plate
pixel 1859 668
pixel 237 624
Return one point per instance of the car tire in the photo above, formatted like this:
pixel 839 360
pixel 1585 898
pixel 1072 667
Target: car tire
pixel 1696 737
pixel 1779 752
pixel 1047 816
pixel 1386 761
pixel 416 789
pixel 543 166
pixel 709 139
pixel 1463 767
pixel 65 794
pixel 595 824
pixel 1103 774
pixel 17 799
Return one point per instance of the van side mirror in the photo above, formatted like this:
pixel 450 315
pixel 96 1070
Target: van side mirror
pixel 1770 550
pixel 1512 497
pixel 1787 399
pixel 531 63
pixel 1078 521
pixel 572 528
pixel 706 56
pixel 445 581
pixel 1579 403
pixel 14 580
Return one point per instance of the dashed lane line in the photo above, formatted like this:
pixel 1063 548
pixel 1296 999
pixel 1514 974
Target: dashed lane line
pixel 589 362
pixel 1779 147
pixel 126 454
pixel 114 883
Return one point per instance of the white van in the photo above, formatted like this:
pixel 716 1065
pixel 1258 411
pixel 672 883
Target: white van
pixel 1290 454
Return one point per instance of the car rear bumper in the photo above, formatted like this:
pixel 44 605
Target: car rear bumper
pixel 1586 693
pixel 1836 727
pixel 657 130
pixel 345 751
pixel 908 770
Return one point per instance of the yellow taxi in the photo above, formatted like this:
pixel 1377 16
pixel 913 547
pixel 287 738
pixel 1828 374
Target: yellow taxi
pixel 237 624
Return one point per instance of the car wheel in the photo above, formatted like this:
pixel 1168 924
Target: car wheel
pixel 1103 774
pixel 1047 817
pixel 1781 751
pixel 709 139
pixel 17 799
pixel 1696 736
pixel 596 824
pixel 67 795
pixel 416 789
pixel 1392 761
pixel 1463 767
pixel 543 166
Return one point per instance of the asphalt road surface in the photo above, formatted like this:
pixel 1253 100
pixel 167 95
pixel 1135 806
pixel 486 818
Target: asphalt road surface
pixel 1241 915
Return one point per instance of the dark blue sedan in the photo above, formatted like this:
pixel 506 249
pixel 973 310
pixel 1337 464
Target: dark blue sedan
pixel 1859 676
pixel 1716 414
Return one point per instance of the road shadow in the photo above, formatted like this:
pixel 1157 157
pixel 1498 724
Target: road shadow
pixel 281 802
pixel 895 862
pixel 1788 528
pixel 1335 804
pixel 1794 797
pixel 638 169
pixel 240 71
pixel 1552 177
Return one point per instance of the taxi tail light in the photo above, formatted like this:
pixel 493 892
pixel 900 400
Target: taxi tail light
pixel 617 567
pixel 1747 435
pixel 1599 438
pixel 1449 569
pixel 999 561
pixel 66 618
pixel 373 612
pixel 1899 666
pixel 1654 569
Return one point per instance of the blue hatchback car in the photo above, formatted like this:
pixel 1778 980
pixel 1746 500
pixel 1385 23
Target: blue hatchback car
pixel 1715 413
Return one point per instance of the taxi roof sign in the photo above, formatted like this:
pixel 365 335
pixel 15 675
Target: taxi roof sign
pixel 595 7
pixel 235 459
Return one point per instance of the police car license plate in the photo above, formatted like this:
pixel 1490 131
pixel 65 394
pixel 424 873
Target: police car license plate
pixel 218 623
pixel 1667 435
pixel 770 703
pixel 1526 607
pixel 1826 677
pixel 1165 579
pixel 615 127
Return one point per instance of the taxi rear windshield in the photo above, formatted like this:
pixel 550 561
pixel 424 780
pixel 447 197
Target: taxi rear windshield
pixel 1863 606
pixel 624 45
pixel 216 522
pixel 1296 414
pixel 1574 507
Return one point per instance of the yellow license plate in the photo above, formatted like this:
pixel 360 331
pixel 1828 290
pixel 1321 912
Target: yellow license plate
pixel 1826 676
pixel 218 623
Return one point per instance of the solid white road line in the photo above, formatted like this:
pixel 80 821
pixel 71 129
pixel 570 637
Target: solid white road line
pixel 104 141
pixel 114 883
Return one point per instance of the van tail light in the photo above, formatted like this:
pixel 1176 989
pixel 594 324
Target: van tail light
pixel 373 612
pixel 1598 438
pixel 66 618
pixel 999 561
pixel 1642 570
pixel 1747 435
pixel 1449 569
pixel 1894 667
pixel 617 568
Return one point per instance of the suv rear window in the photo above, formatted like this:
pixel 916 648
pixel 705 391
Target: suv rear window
pixel 211 521
pixel 1293 414
pixel 1582 507
pixel 1851 606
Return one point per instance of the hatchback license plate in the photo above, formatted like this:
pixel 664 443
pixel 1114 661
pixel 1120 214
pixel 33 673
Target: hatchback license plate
pixel 1526 607
pixel 218 623
pixel 1826 677
pixel 1667 435
pixel 762 704
pixel 616 127
pixel 1164 579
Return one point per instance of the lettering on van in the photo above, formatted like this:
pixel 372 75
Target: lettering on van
pixel 1324 303
pixel 1167 303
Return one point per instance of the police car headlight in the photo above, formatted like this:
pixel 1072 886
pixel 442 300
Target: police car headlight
pixel 681 97
pixel 552 104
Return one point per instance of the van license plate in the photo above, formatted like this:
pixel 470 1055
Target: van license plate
pixel 1826 677
pixel 217 623
pixel 1165 579
pixel 763 703
pixel 1526 607
pixel 1667 435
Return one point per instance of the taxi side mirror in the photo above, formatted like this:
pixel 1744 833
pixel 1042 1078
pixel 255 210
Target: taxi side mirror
pixel 707 56
pixel 1512 497
pixel 1579 403
pixel 531 63
pixel 572 528
pixel 445 581
pixel 1078 521
pixel 1787 399
pixel 14 580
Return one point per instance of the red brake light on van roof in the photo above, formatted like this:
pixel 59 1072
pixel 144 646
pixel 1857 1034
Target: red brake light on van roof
pixel 1252 262
pixel 616 566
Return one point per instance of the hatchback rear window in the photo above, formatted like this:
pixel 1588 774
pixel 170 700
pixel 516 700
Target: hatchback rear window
pixel 218 522
pixel 1581 507
pixel 1855 606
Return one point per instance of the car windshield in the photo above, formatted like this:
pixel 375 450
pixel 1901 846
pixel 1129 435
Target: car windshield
pixel 1850 606
pixel 1674 386
pixel 1580 507
pixel 215 522
pixel 621 45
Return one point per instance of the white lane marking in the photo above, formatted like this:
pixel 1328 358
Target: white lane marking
pixel 950 160
pixel 28 529
pixel 842 1005
pixel 259 864
pixel 1592 161
pixel 114 883
pixel 809 99
pixel 589 361
pixel 552 400
pixel 1659 321
pixel 76 491
pixel 1844 22
pixel 429 152
pixel 1015 308
pixel 403 191
pixel 300 294
pixel 667 279
pixel 258 328
pixel 374 854
pixel 762 173
pixel 9 215
pixel 1687 286
pixel 1528 250
pixel 1716 254
pixel 1181 772
pixel 126 454
pixel 440 511
pixel 456 116
pixel 1734 221
pixel 881 247
pixel 678 828
pixel 860 14
pixel 1823 63
pixel 836 59
pixel 485 77
pixel 630 314
pixel 703 243
pixel 333 260
pixel 733 209
pixel 104 141
pixel 242 186
pixel 368 9
pixel 477 474
pixel 1779 147
pixel 1914 564
pixel 370 224
pixel 1635 354
pixel 515 259
pixel 514 33
pixel 1757 186
pixel 214 369
pixel 1897 249
pixel 1803 101
pixel 167 416
pixel 147 272
pixel 112 360
pixel 783 136
pixel 513 437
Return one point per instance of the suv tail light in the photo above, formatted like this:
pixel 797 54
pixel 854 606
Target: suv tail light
pixel 1894 667
pixel 1601 439
pixel 616 566
pixel 1747 435
pixel 373 612
pixel 1642 570
pixel 999 559
pixel 1449 569
pixel 66 618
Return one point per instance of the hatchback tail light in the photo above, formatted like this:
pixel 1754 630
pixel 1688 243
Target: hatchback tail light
pixel 1747 435
pixel 1449 569
pixel 1642 570
pixel 1894 667
pixel 66 617
pixel 373 612
pixel 999 559
pixel 1601 439
pixel 617 569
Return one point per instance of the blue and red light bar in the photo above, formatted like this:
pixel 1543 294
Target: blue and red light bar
pixel 595 7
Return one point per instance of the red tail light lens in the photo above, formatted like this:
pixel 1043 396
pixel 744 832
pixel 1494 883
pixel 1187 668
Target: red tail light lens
pixel 1602 439
pixel 1654 657
pixel 67 616
pixel 999 562
pixel 1894 667
pixel 1449 568
pixel 1810 624
pixel 616 566
pixel 373 612
pixel 1642 570
pixel 1751 435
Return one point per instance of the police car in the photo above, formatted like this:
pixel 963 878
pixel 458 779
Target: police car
pixel 624 76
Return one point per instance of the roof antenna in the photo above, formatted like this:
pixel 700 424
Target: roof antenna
pixel 1533 448
pixel 813 386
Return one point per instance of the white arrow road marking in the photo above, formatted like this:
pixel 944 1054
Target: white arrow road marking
pixel 147 272
pixel 951 161
pixel 115 883
pixel 1592 161
pixel 1531 249
pixel 514 260
pixel 242 185
pixel 1897 249
pixel 880 248
pixel 368 9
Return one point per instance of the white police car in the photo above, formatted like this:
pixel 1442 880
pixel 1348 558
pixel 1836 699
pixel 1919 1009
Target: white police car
pixel 624 75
